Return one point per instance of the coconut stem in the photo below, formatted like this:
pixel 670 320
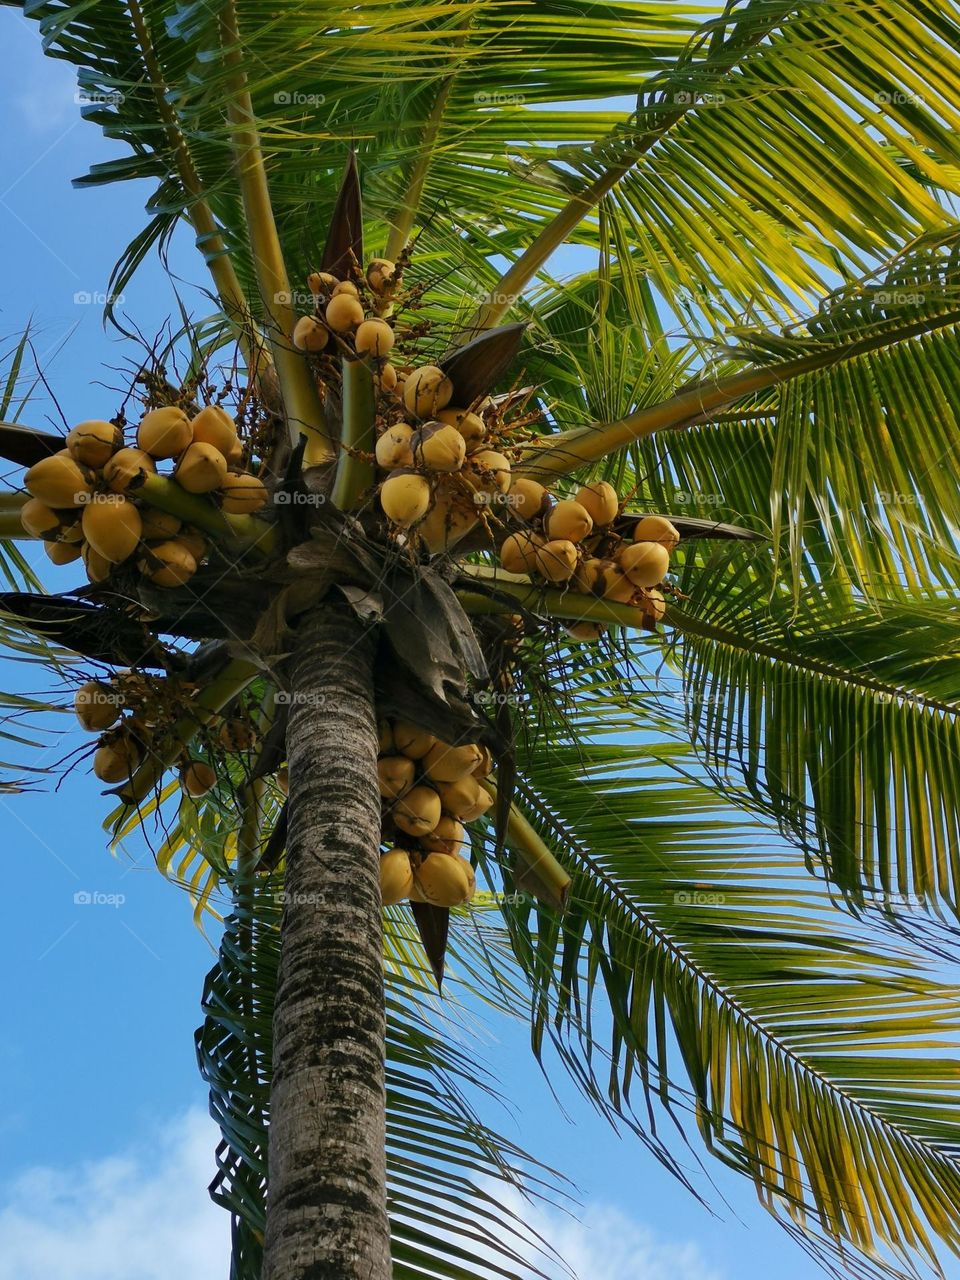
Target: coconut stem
pixel 355 473
pixel 198 510
pixel 568 606
pixel 301 400
pixel 539 870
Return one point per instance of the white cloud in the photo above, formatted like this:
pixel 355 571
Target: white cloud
pixel 145 1215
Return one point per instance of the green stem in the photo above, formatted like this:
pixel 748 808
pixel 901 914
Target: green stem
pixel 355 474
pixel 569 606
pixel 301 400
pixel 539 870
pixel 199 510
pixel 569 451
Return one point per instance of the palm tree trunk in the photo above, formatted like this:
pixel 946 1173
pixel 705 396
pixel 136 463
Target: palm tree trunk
pixel 326 1211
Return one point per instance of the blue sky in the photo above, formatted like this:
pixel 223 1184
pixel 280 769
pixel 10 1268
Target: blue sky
pixel 105 1149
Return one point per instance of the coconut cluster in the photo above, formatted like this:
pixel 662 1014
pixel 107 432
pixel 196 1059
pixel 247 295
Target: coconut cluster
pixel 572 543
pixel 347 315
pixel 84 505
pixel 430 791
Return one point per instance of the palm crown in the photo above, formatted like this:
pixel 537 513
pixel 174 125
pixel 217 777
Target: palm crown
pixel 754 334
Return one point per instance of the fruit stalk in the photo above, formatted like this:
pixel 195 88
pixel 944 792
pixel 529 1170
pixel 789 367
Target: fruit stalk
pixel 326 1213
pixel 355 474
pixel 197 510
pixel 539 870
pixel 567 605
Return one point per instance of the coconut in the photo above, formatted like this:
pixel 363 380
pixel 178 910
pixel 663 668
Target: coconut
pixel 653 604
pixel 445 880
pixel 97 706
pixel 344 313
pixel 644 563
pixel 201 469
pixel 586 631
pixel 405 498
pixel 112 526
pixel 384 738
pixel 656 529
pixel 164 433
pixel 488 471
pixel 309 334
pixel 601 501
pixel 446 763
pixel 195 542
pixel 417 812
pixel 518 552
pixel 381 273
pixel 588 576
pixel 116 760
pixel 426 391
pixel 236 735
pixel 526 498
pixel 42 521
pixel 213 425
pixel 345 289
pixel 197 778
pixel 126 468
pixel 448 836
pixel 375 338
pixel 615 585
pixel 485 767
pixel 568 521
pixel 470 425
pixel 321 283
pixel 396 877
pixel 439 448
pixel 464 799
pixel 243 494
pixel 394 448
pixel 395 775
pixel 62 552
pixel 411 740
pixel 386 377
pixel 235 456
pixel 158 526
pixel 92 443
pixel 169 564
pixel 97 566
pixel 557 560
pixel 283 780
pixel 450 517
pixel 58 481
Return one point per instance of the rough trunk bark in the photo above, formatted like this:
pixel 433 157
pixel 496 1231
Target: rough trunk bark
pixel 326 1211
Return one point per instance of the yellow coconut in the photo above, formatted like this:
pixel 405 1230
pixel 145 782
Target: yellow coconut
pixel 235 456
pixel 656 529
pixel 244 494
pixel 601 501
pixel 344 313
pixel 201 469
pixel 445 879
pixel 58 481
pixel 426 391
pixel 405 498
pixel 345 289
pixel 310 335
pixel 168 564
pixel 588 575
pixel 385 745
pixel 526 498
pixel 158 526
pixel 446 763
pixel 439 448
pixel 396 877
pixel 62 552
pixel 236 735
pixel 321 283
pixel 417 812
pixel 410 740
pixel 485 767
pixel 557 560
pixel 375 338
pixel 464 799
pixel 585 631
pixel 126 468
pixel 448 836
pixel 97 566
pixel 395 775
pixel 470 425
pixel 644 563
pixel 197 778
pixel 381 273
pixel 394 448
pixel 450 517
pixel 116 759
pixel 386 377
pixel 112 526
pixel 97 705
pixel 164 433
pixel 518 552
pixel 92 443
pixel 42 521
pixel 568 521
pixel 615 585
pixel 488 471
pixel 195 542
pixel 654 605
pixel 214 425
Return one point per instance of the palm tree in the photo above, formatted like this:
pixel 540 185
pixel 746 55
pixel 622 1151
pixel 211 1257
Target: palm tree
pixel 711 260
